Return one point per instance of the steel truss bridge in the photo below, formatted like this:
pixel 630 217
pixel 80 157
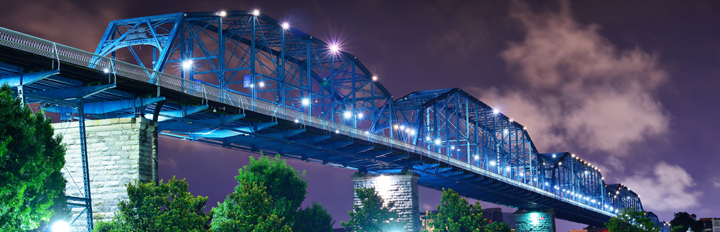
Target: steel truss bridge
pixel 245 81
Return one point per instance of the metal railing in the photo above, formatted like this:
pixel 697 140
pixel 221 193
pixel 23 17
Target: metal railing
pixel 63 53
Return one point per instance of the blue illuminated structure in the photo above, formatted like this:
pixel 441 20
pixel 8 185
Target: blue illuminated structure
pixel 242 80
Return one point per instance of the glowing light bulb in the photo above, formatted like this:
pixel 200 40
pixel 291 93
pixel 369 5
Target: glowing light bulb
pixel 305 102
pixel 347 114
pixel 187 64
pixel 256 12
pixel 222 13
pixel 334 48
pixel 286 25
pixel 374 78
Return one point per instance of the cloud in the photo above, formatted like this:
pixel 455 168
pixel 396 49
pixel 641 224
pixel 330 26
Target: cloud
pixel 667 188
pixel 578 89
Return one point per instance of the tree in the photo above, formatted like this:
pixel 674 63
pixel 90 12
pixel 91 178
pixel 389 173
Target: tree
pixel 498 227
pixel 631 220
pixel 164 207
pixel 314 218
pixel 31 185
pixel 371 215
pixel 683 220
pixel 455 214
pixel 284 186
pixel 248 209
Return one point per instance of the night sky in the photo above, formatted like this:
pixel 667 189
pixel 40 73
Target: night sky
pixel 631 87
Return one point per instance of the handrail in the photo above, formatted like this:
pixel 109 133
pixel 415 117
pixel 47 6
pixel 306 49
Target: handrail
pixel 38 46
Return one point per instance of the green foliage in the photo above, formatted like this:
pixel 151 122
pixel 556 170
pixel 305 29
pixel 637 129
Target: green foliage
pixel 455 214
pixel 683 220
pixel 371 215
pixel 249 208
pixel 32 188
pixel 164 207
pixel 498 227
pixel 631 220
pixel 281 185
pixel 313 219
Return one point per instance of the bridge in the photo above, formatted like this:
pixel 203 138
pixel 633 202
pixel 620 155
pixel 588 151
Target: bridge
pixel 245 81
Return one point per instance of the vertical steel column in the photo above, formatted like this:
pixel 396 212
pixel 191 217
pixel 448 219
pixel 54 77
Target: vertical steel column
pixel 354 103
pixel 221 57
pixel 281 73
pixel 332 88
pixel 86 173
pixel 252 59
pixel 309 82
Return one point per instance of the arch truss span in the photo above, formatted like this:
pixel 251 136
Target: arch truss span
pixel 253 55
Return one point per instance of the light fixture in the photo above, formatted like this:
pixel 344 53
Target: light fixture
pixel 187 64
pixel 256 12
pixel 261 84
pixel 437 141
pixel 505 131
pixel 334 48
pixel 105 70
pixel 396 127
pixel 511 120
pixel 496 111
pixel 285 26
pixel 477 157
pixel 296 121
pixel 222 13
pixel 452 147
pixel 492 163
pixel 360 115
pixel 374 78
pixel 402 127
pixel 305 101
pixel 60 226
pixel 412 132
pixel 337 131
pixel 347 114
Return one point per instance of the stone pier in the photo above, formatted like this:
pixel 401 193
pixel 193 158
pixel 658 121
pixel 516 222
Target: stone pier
pixel 120 151
pixel 402 188
pixel 535 221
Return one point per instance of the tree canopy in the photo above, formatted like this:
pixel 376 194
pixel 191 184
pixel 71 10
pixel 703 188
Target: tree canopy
pixel 455 214
pixel 314 218
pixel 271 180
pixel 683 220
pixel 164 207
pixel 32 189
pixel 372 215
pixel 249 208
pixel 631 220
pixel 498 227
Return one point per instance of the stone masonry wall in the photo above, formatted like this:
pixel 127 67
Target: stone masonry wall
pixel 119 151
pixel 543 221
pixel 401 188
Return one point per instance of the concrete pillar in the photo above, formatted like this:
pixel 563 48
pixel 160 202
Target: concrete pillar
pixel 402 188
pixel 119 151
pixel 535 221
